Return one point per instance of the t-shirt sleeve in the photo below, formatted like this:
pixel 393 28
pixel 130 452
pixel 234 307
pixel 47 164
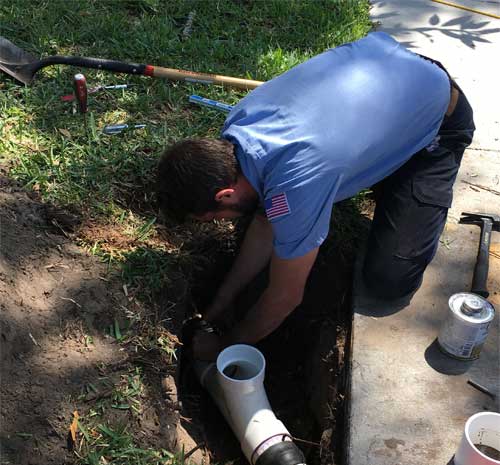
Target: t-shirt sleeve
pixel 300 217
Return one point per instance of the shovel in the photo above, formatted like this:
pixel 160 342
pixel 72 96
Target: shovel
pixel 23 66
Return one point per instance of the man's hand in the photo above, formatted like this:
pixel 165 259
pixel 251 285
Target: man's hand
pixel 206 346
pixel 216 309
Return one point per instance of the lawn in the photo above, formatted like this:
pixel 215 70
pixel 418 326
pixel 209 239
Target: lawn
pixel 106 181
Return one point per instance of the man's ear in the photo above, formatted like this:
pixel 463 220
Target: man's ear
pixel 224 194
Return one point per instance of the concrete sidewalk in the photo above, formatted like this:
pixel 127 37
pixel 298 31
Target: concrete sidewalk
pixel 467 44
pixel 409 403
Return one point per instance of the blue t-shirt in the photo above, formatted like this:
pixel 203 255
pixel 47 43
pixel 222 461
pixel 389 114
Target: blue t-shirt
pixel 332 126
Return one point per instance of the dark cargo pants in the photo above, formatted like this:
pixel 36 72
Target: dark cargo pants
pixel 411 210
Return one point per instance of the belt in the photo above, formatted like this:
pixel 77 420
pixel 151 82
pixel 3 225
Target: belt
pixel 455 93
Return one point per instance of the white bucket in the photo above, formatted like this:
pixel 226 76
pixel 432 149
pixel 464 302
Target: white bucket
pixel 483 430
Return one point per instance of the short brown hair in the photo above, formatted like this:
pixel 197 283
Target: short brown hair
pixel 191 172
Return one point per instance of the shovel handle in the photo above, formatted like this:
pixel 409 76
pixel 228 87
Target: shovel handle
pixel 204 78
pixel 148 70
pixel 95 63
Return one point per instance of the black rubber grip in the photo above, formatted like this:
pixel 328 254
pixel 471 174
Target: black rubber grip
pixel 96 63
pixel 480 277
pixel 282 453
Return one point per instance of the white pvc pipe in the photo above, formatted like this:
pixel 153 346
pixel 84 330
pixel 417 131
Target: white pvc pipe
pixel 240 371
pixel 481 429
pixel 236 383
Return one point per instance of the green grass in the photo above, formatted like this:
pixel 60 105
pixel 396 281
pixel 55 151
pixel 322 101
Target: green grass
pixel 123 394
pixel 49 145
pixel 114 445
pixel 50 148
pixel 101 441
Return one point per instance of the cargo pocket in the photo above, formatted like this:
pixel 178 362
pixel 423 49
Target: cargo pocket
pixel 433 191
pixel 424 219
pixel 428 194
pixel 435 174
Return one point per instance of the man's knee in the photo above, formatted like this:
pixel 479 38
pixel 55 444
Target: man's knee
pixel 392 278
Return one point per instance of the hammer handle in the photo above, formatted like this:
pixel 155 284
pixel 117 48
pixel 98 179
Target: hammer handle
pixel 480 278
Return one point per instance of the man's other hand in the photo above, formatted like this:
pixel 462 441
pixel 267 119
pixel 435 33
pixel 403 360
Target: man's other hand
pixel 215 311
pixel 206 346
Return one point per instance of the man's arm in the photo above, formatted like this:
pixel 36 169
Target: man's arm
pixel 254 255
pixel 284 293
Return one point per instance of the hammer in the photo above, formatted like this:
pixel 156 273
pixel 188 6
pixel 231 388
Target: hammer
pixel 487 222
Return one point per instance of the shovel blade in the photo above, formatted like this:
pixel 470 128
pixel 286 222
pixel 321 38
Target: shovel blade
pixel 16 62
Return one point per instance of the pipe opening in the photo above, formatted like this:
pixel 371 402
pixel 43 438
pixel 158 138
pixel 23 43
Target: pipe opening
pixel 241 370
pixel 241 363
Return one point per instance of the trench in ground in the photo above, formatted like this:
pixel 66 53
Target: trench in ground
pixel 45 275
pixel 306 358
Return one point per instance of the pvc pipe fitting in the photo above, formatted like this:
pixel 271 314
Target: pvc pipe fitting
pixel 480 441
pixel 236 383
pixel 240 372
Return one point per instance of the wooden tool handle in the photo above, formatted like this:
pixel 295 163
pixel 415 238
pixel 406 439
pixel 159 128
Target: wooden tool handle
pixel 191 76
pixel 148 70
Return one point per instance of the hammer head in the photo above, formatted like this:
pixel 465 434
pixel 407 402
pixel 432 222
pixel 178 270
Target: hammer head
pixel 481 218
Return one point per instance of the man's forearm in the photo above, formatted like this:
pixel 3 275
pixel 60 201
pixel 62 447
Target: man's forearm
pixel 287 280
pixel 254 255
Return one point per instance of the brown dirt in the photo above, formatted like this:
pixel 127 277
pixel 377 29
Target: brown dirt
pixel 53 296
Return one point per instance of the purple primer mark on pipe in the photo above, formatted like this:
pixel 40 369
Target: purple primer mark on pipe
pixel 261 448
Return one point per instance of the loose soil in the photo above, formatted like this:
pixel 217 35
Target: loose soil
pixel 52 296
pixel 57 302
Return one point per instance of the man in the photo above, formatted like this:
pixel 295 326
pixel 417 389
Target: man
pixel 363 114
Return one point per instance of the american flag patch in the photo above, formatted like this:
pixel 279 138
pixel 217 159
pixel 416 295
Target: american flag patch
pixel 276 206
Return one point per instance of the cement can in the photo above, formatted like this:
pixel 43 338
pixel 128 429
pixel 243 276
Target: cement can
pixel 466 326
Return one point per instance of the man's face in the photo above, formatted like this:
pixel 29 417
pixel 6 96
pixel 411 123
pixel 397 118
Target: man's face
pixel 245 206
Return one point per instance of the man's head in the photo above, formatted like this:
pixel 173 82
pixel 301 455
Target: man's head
pixel 201 178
